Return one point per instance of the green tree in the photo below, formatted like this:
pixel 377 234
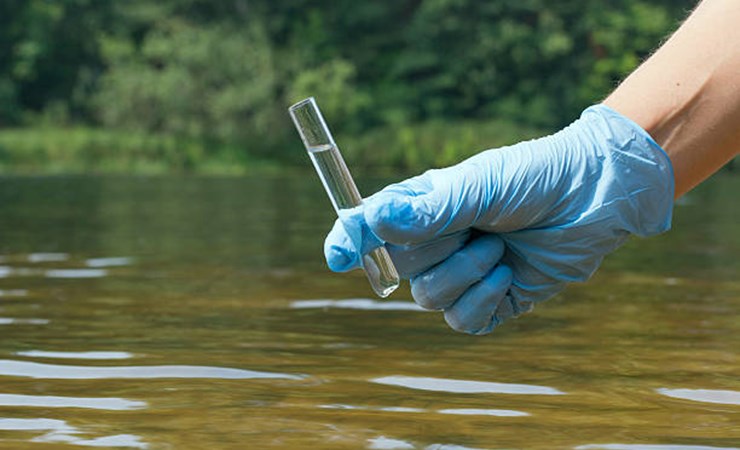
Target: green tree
pixel 211 82
pixel 48 53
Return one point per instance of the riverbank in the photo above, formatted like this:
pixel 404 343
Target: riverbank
pixel 81 149
pixel 52 150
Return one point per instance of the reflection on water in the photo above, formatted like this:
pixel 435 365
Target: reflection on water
pixel 114 261
pixel 359 303
pixel 6 271
pixel 118 440
pixel 383 443
pixel 56 371
pixel 13 292
pixel 386 443
pixel 703 395
pixel 47 401
pixel 197 313
pixel 398 409
pixel 59 431
pixel 448 447
pixel 75 273
pixel 650 447
pixel 483 412
pixel 47 257
pixel 465 386
pixel 452 411
pixel 17 321
pixel 75 355
pixel 34 424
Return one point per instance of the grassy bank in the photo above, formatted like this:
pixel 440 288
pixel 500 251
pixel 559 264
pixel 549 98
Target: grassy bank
pixel 43 150
pixel 83 149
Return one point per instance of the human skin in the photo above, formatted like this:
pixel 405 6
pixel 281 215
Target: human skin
pixel 687 94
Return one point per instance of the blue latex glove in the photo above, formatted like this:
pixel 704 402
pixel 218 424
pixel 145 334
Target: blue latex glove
pixel 486 239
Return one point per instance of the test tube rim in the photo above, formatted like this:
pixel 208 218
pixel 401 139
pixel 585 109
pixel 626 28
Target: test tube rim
pixel 302 102
pixel 311 104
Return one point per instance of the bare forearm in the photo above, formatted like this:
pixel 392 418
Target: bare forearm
pixel 687 95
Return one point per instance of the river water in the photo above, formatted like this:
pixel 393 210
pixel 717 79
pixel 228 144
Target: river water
pixel 196 313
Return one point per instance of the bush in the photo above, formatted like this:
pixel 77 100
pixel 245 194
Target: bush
pixel 211 83
pixel 431 144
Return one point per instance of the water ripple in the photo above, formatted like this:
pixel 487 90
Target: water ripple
pixel 358 303
pixel 483 412
pixel 59 431
pixel 726 397
pixel 7 271
pixel 75 273
pixel 48 401
pixel 115 261
pixel 75 355
pixel 399 409
pixel 452 411
pixel 16 321
pixel 47 257
pixel 118 440
pixel 13 292
pixel 386 443
pixel 465 386
pixel 58 372
pixel 649 447
pixel 33 424
pixel 448 447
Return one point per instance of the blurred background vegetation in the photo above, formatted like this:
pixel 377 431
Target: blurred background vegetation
pixel 198 85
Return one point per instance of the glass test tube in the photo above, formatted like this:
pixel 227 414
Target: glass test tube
pixel 340 186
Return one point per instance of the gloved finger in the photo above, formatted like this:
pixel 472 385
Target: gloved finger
pixel 474 310
pixel 437 203
pixel 350 232
pixel 507 308
pixel 440 286
pixel 411 260
pixel 535 279
pixel 341 254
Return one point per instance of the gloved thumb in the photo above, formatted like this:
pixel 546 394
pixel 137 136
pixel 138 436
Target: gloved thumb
pixel 420 209
pixel 437 203
pixel 402 219
pixel 349 239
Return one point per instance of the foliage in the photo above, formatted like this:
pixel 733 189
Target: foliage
pixel 430 144
pixel 167 84
pixel 79 150
pixel 48 54
pixel 414 72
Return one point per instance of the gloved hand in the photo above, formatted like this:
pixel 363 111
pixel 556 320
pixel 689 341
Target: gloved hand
pixel 487 238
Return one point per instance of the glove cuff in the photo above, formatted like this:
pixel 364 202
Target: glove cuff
pixel 642 185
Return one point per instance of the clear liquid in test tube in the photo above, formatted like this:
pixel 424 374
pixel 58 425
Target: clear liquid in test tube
pixel 340 186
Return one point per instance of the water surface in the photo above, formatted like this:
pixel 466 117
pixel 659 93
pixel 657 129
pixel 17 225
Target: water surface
pixel 192 313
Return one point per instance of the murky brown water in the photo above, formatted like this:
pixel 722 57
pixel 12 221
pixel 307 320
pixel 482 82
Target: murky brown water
pixel 181 313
